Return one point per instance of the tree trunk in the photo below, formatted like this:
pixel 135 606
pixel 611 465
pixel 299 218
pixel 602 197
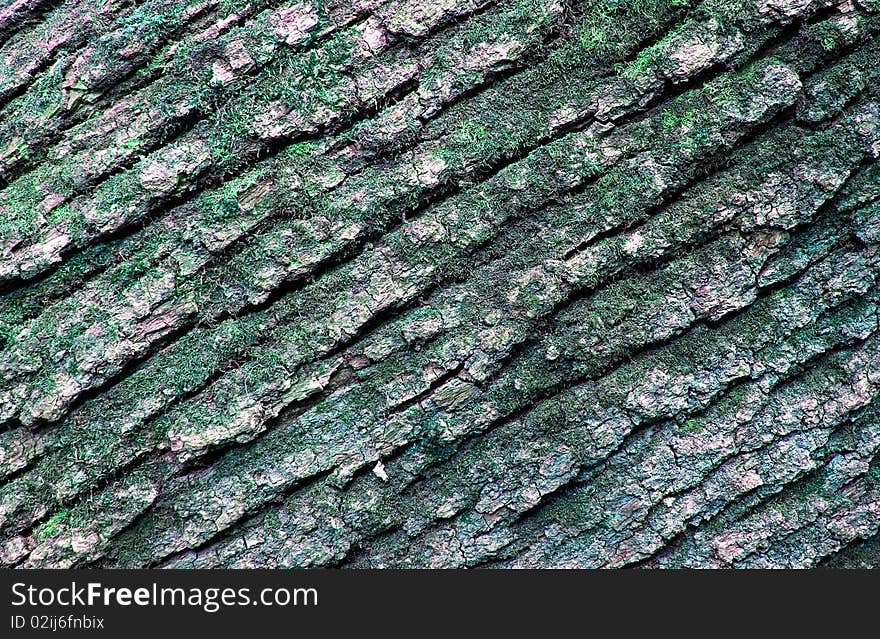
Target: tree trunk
pixel 448 283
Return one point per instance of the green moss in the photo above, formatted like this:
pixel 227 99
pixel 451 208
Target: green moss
pixel 301 150
pixel 605 31
pixel 472 142
pixel 691 426
pixel 54 525
pixel 143 26
pixel 570 510
pixel 22 198
pixel 132 145
pixel 639 66
pixel 302 81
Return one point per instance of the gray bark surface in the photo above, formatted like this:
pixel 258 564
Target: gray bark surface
pixel 459 283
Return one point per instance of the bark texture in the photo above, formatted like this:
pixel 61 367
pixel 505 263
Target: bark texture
pixel 443 283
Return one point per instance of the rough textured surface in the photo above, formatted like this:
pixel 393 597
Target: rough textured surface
pixel 507 283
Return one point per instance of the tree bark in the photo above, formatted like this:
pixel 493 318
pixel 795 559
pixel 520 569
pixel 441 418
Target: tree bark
pixel 461 283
